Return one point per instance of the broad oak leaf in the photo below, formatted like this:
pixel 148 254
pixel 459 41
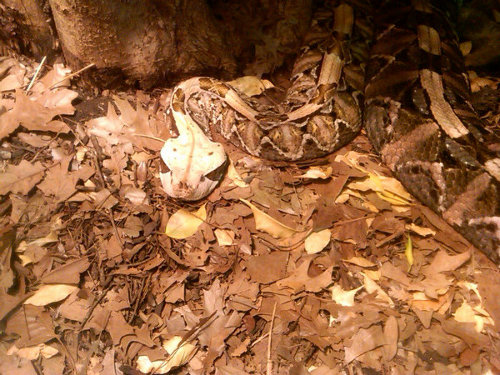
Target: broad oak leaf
pixel 21 178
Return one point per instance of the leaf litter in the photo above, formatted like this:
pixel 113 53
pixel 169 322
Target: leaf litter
pixel 334 265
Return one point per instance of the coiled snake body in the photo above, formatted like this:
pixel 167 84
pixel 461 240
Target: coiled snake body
pixel 416 113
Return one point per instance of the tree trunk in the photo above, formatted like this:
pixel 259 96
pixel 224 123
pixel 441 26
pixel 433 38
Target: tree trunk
pixel 141 40
pixel 24 28
pixel 144 42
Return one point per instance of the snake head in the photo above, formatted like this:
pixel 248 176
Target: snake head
pixel 191 172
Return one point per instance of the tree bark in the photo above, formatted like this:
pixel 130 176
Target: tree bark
pixel 142 41
pixel 24 28
pixel 145 42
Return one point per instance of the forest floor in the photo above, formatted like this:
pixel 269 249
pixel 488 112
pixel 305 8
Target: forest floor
pixel 324 269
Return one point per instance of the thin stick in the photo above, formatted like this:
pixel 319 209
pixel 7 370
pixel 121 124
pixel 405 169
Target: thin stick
pixel 150 137
pixel 71 75
pixel 37 71
pixel 269 370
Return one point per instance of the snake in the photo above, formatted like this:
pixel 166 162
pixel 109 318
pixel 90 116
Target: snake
pixel 411 95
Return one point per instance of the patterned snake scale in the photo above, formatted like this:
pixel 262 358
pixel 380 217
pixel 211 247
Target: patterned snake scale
pixel 416 112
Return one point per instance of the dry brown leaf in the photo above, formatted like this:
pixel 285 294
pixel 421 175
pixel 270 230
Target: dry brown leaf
pixel 68 273
pixel 61 183
pixel 359 261
pixel 21 178
pixel 443 262
pixel 371 287
pixel 267 224
pixel 391 333
pixel 300 279
pixel 184 224
pixel 364 341
pixel 37 114
pixel 268 268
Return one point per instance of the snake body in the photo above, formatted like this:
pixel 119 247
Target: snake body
pixel 416 113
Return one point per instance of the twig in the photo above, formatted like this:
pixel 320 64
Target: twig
pixel 269 370
pixel 71 75
pixel 150 137
pixel 107 285
pixel 97 160
pixel 109 212
pixel 37 71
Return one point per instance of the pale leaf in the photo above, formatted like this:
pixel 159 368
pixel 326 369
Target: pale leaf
pixel 409 252
pixel 344 297
pixel 421 231
pixel 317 241
pixel 184 224
pixel 316 172
pixel 360 261
pixel 371 287
pixel 251 85
pixel 267 224
pixel 466 314
pixel 391 334
pixel 387 188
pixel 179 356
pixel 233 174
pixel 225 237
pixel 48 294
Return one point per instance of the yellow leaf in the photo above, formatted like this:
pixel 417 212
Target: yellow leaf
pixel 184 224
pixel 387 188
pixel 48 294
pixel 267 224
pixel 409 252
pixel 317 241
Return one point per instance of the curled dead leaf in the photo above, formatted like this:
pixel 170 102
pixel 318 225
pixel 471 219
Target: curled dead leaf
pixel 180 354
